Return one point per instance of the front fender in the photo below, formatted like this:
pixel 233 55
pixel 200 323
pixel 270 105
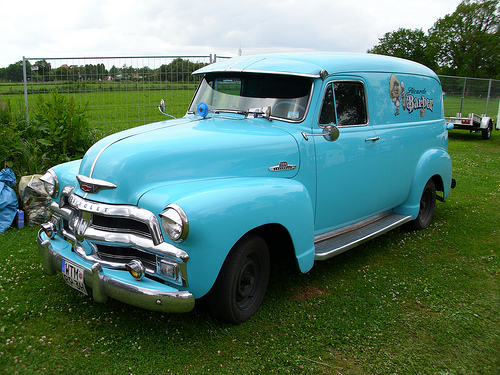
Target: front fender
pixel 66 175
pixel 435 162
pixel 221 211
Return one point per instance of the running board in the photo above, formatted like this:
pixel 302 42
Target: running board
pixel 329 247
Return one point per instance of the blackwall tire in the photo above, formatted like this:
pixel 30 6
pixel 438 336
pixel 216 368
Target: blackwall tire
pixel 241 285
pixel 427 206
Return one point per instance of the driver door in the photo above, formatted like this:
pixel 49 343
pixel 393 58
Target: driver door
pixel 348 167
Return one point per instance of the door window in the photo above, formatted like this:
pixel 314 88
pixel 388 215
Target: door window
pixel 346 107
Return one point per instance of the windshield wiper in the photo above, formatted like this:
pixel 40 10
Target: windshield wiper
pixel 263 112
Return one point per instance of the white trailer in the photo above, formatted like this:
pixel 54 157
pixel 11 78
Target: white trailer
pixel 474 123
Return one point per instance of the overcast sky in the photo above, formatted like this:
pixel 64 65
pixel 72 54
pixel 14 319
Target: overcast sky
pixel 102 28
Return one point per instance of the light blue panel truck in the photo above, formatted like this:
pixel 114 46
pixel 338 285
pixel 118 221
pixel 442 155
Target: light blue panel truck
pixel 314 152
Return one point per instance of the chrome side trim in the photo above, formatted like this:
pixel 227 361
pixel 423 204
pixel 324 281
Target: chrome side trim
pixel 352 227
pixel 342 242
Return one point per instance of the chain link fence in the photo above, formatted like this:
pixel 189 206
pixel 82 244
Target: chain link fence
pixel 122 92
pixel 118 92
pixel 464 95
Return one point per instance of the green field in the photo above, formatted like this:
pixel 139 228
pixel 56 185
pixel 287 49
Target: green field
pixel 114 106
pixel 470 105
pixel 408 302
pixel 114 110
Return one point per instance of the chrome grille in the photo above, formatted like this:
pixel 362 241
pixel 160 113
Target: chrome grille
pixel 123 255
pixel 117 224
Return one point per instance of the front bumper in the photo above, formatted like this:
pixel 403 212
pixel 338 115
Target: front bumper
pixel 113 283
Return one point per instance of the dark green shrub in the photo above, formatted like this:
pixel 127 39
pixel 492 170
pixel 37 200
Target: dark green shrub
pixel 58 131
pixel 12 146
pixel 61 127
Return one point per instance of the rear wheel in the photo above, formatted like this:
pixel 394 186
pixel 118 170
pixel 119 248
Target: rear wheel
pixel 486 133
pixel 239 289
pixel 427 205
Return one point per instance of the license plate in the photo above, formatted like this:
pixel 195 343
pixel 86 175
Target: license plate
pixel 73 275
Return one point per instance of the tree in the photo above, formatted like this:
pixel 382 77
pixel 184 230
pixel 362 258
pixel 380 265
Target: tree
pixel 405 43
pixel 467 42
pixel 14 72
pixel 179 70
pixel 43 66
pixel 114 71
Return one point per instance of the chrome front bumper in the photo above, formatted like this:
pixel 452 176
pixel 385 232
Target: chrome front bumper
pixel 113 283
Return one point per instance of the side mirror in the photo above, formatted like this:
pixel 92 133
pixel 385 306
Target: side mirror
pixel 161 107
pixel 331 133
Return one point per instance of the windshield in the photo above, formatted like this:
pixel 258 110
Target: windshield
pixel 288 96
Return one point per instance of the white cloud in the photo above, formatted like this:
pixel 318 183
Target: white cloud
pixel 156 27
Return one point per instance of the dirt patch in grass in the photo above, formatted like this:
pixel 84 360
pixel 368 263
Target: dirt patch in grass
pixel 301 293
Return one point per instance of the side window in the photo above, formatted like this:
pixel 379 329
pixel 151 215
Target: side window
pixel 350 103
pixel 327 115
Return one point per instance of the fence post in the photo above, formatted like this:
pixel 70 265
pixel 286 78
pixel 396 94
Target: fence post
pixel 25 91
pixel 488 99
pixel 463 95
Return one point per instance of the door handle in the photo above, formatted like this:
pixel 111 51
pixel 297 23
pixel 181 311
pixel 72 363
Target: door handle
pixel 374 139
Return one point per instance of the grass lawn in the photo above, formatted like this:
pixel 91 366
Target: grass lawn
pixel 110 111
pixel 408 302
pixel 113 106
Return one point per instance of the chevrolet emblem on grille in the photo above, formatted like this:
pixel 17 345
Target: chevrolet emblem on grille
pixel 93 185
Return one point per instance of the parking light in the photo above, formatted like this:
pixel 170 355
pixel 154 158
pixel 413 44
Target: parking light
pixel 49 229
pixel 136 269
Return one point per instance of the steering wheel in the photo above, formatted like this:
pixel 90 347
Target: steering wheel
pixel 289 103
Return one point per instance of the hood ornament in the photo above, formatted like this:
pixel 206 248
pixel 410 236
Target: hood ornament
pixel 282 166
pixel 93 185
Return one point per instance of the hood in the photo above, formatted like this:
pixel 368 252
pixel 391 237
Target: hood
pixel 191 148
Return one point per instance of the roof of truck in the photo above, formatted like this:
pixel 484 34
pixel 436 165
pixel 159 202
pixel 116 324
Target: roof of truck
pixel 312 64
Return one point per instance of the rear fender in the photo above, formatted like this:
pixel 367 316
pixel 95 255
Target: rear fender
pixel 435 163
pixel 222 211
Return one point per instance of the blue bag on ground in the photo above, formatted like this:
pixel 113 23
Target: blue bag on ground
pixel 8 199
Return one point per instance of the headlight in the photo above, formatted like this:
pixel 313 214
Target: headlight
pixel 175 223
pixel 51 183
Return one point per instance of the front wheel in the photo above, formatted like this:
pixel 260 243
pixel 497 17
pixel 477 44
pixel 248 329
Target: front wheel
pixel 239 289
pixel 427 205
